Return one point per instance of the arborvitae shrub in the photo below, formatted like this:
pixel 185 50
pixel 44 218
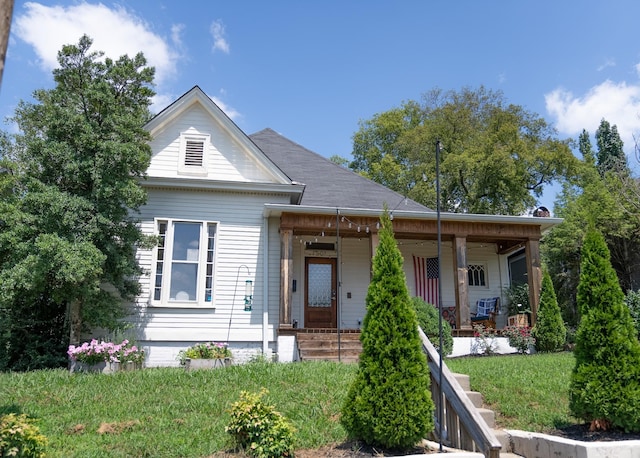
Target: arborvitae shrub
pixel 633 303
pixel 428 320
pixel 549 331
pixel 389 403
pixel 605 382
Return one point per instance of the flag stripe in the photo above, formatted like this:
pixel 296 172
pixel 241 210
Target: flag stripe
pixel 426 278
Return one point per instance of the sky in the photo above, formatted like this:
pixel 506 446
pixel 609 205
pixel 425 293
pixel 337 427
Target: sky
pixel 313 70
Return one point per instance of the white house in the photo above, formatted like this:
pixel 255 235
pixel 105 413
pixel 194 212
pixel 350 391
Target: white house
pixel 260 238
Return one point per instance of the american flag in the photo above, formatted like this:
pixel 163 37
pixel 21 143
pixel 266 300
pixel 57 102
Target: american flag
pixel 426 276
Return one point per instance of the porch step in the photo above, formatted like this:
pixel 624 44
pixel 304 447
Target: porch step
pixel 324 346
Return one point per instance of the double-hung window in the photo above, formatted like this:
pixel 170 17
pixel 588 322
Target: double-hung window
pixel 185 263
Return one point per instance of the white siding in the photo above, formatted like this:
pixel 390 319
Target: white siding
pixel 227 160
pixel 239 242
pixel 355 273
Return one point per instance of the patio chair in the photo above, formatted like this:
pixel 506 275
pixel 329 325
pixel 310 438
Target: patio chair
pixel 486 312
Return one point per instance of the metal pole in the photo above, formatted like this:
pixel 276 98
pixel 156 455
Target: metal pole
pixel 440 404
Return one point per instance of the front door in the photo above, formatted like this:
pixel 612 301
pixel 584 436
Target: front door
pixel 320 305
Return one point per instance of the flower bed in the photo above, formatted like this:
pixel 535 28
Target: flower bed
pixel 101 356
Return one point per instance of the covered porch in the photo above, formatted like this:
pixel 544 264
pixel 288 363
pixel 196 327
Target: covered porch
pixel 325 261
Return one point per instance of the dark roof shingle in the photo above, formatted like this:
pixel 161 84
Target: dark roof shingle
pixel 327 183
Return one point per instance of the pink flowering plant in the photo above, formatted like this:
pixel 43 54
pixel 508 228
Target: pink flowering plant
pixel 208 350
pixel 95 352
pixel 519 337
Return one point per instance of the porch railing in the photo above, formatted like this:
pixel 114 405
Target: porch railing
pixel 463 427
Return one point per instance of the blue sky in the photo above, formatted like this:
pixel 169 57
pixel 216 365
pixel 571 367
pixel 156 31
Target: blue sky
pixel 313 70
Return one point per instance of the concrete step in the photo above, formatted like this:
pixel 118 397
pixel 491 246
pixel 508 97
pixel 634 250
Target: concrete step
pixel 476 398
pixel 504 438
pixel 489 416
pixel 463 380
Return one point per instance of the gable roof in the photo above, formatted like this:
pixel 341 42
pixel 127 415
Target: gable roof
pixel 327 184
pixel 196 96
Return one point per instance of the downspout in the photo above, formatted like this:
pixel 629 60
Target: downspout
pixel 265 286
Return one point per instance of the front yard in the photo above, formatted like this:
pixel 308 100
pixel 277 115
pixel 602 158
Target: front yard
pixel 170 412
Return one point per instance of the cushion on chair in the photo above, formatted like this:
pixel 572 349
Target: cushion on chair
pixel 486 307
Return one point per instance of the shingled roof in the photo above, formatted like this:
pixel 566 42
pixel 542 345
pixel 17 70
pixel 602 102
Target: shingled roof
pixel 327 183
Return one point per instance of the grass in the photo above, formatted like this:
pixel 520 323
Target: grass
pixel 527 392
pixel 169 412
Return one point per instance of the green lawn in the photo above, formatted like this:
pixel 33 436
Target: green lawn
pixel 527 392
pixel 173 413
pixel 170 412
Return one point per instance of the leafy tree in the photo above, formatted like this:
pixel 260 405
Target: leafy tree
pixel 496 157
pixel 429 320
pixel 611 154
pixel 389 403
pixel 68 256
pixel 549 331
pixel 608 201
pixel 605 382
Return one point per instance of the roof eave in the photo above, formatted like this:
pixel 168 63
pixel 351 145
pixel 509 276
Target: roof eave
pixel 544 223
pixel 294 190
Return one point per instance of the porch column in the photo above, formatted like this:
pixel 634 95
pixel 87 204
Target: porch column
pixel 460 267
pixel 534 275
pixel 286 267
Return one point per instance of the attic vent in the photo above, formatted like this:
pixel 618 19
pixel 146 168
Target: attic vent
pixel 194 153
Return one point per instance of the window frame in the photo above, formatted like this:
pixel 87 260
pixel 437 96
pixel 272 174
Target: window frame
pixel 197 170
pixel 206 266
pixel 482 266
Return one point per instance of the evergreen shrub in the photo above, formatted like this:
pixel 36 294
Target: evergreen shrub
pixel 549 331
pixel 633 303
pixel 258 429
pixel 605 382
pixel 428 320
pixel 19 436
pixel 389 402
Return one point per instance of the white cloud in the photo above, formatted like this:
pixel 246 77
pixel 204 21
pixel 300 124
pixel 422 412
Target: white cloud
pixel 229 111
pixel 607 63
pixel 618 103
pixel 115 31
pixel 220 43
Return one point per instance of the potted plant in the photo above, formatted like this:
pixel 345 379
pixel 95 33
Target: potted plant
pixel 107 357
pixel 518 304
pixel 205 355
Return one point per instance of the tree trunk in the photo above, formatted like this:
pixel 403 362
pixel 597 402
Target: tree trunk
pixel 75 322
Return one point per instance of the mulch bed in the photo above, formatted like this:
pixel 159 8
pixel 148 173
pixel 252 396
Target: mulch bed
pixel 582 433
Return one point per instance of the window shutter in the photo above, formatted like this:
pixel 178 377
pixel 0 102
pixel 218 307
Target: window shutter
pixel 194 153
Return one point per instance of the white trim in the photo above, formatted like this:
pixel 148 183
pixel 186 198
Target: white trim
pixel 294 191
pixel 194 170
pixel 165 301
pixel 485 270
pixel 265 289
